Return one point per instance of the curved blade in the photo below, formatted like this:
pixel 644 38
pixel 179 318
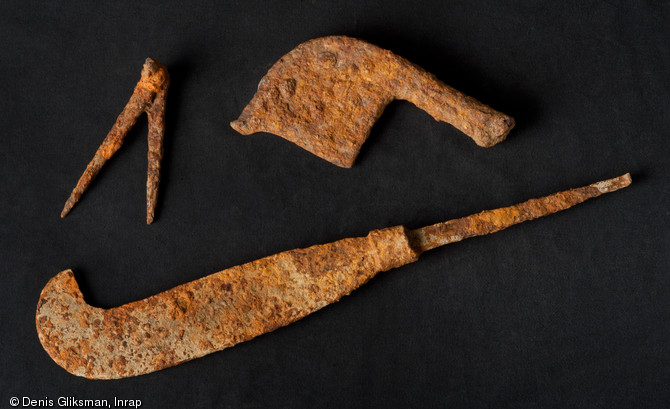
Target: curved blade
pixel 209 314
pixel 237 304
pixel 326 94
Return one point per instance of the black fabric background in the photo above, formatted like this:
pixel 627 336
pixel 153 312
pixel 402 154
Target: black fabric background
pixel 569 311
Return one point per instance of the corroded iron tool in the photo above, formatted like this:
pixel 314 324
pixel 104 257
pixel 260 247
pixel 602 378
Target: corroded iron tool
pixel 149 96
pixel 242 302
pixel 326 94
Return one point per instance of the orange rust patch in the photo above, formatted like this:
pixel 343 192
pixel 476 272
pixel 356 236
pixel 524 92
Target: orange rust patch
pixel 203 316
pixel 200 317
pixel 149 96
pixel 327 93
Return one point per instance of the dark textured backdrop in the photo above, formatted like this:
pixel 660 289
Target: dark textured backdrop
pixel 568 311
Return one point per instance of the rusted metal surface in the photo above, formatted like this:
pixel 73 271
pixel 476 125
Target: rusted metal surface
pixel 326 94
pixel 149 96
pixel 491 221
pixel 240 303
pixel 211 313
